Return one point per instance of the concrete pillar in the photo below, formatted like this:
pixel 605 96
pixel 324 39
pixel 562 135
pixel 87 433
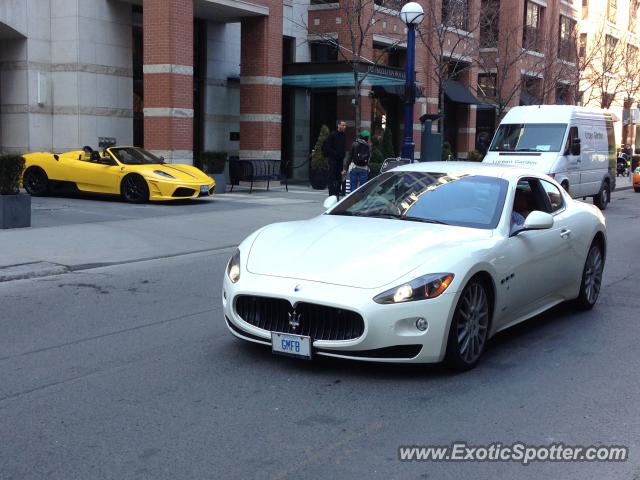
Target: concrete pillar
pixel 168 78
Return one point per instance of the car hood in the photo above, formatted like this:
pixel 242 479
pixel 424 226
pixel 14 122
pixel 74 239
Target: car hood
pixel 355 251
pixel 184 173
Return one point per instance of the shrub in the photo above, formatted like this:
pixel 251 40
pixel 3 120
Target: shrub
pixel 446 151
pixel 318 160
pixel 213 161
pixel 474 156
pixel 374 169
pixel 11 167
pixel 387 144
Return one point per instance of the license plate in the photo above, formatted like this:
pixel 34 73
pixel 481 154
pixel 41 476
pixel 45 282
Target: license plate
pixel 294 345
pixel 204 189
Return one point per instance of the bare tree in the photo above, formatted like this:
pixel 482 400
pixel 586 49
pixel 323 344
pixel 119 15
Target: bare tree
pixel 602 67
pixel 360 18
pixel 450 37
pixel 500 57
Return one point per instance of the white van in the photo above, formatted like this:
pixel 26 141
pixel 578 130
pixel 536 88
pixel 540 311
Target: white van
pixel 575 145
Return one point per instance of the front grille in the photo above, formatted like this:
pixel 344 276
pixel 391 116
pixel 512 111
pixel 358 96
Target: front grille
pixel 316 321
pixel 183 192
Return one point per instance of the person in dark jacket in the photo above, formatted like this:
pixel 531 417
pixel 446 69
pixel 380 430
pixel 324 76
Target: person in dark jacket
pixel 360 154
pixel 336 149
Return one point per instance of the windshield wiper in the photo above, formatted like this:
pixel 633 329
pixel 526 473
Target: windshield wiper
pixel 526 150
pixel 425 220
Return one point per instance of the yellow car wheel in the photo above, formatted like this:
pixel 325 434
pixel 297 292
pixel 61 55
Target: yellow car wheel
pixel 134 189
pixel 36 182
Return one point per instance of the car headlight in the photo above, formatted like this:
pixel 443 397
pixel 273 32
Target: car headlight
pixel 427 286
pixel 233 268
pixel 163 174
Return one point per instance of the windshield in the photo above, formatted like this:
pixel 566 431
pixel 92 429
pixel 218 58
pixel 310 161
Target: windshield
pixel 135 156
pixel 470 200
pixel 529 137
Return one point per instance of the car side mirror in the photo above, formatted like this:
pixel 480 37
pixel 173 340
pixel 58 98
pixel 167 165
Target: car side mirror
pixel 330 202
pixel 538 220
pixel 575 147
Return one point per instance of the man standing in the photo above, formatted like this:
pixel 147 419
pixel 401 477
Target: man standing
pixel 360 154
pixel 335 151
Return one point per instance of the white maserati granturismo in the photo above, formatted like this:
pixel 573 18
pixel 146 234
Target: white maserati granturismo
pixel 423 263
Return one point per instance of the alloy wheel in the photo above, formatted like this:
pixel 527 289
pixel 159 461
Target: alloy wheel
pixel 134 189
pixel 592 276
pixel 473 322
pixel 36 182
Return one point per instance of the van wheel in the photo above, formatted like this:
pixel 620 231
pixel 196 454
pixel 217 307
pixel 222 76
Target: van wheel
pixel 565 185
pixel 604 196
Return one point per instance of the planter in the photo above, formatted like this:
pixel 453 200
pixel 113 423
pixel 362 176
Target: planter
pixel 318 178
pixel 15 211
pixel 221 182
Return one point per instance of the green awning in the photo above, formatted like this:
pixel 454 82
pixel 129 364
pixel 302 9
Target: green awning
pixel 340 74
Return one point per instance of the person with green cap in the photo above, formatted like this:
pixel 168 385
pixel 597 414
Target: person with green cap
pixel 360 154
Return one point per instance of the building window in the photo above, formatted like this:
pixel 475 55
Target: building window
pixel 632 61
pixel 487 84
pixel 583 45
pixel 562 94
pixel 392 4
pixel 455 14
pixel 322 52
pixel 532 25
pixel 610 46
pixel 633 15
pixel 530 90
pixel 489 19
pixel 585 9
pixel 612 11
pixel 567 41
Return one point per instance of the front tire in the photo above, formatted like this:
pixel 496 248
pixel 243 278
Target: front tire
pixel 134 189
pixel 591 278
pixel 604 196
pixel 637 190
pixel 36 182
pixel 469 327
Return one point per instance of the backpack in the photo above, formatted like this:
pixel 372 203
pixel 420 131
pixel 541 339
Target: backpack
pixel 362 153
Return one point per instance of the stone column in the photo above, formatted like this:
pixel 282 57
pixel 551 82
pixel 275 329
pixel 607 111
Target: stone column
pixel 261 84
pixel 168 79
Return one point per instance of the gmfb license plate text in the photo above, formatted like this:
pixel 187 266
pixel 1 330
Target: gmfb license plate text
pixel 293 345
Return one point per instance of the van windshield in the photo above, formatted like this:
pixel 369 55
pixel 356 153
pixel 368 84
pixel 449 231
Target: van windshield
pixel 529 137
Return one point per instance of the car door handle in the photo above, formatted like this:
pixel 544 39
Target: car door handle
pixel 565 233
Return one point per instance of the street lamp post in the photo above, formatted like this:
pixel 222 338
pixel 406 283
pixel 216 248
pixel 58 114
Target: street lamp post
pixel 412 15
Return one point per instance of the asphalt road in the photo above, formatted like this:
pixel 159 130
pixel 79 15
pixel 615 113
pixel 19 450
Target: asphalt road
pixel 128 372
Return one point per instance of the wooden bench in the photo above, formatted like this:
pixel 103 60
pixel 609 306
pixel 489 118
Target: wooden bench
pixel 255 170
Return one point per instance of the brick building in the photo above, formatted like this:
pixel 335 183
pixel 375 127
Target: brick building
pixel 258 78
pixel 609 50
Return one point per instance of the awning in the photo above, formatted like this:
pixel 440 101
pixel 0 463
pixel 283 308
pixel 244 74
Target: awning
pixel 527 99
pixel 458 93
pixel 340 75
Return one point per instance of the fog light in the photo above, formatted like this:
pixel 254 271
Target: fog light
pixel 422 324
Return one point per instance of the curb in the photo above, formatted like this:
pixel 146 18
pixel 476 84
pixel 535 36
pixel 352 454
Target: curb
pixel 30 270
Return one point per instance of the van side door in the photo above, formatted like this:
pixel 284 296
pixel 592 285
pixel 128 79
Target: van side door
pixel 573 161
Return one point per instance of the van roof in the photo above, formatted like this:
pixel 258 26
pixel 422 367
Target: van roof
pixel 553 114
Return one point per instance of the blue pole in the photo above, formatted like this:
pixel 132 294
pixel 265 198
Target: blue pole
pixel 408 145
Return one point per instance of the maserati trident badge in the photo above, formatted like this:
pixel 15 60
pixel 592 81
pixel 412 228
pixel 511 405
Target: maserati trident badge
pixel 294 320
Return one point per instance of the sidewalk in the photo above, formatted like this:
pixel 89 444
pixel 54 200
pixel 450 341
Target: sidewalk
pixel 154 231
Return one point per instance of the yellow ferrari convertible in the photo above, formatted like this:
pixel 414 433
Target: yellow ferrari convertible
pixel 133 173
